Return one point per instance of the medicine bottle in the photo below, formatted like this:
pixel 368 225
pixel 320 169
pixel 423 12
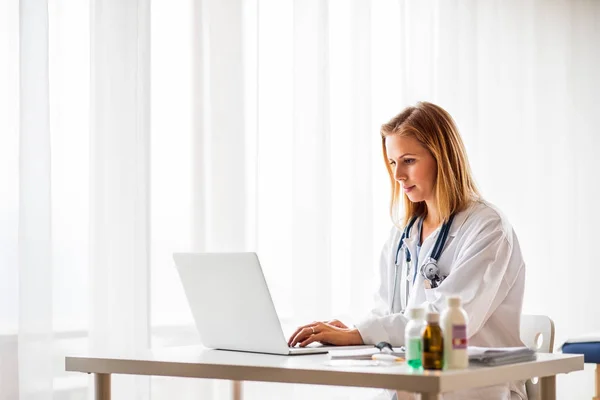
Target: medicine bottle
pixel 433 343
pixel 454 322
pixel 412 336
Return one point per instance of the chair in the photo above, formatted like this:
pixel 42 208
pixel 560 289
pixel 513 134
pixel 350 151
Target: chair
pixel 537 333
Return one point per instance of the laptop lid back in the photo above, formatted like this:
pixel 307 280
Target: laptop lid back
pixel 230 302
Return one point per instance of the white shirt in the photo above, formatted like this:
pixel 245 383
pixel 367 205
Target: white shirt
pixel 484 265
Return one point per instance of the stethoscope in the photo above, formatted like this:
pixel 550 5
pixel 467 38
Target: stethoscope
pixel 430 269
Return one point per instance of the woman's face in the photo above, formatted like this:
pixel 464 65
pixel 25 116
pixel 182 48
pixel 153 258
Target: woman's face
pixel 413 166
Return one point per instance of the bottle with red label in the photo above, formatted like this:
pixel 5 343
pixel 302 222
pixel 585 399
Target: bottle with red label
pixel 454 326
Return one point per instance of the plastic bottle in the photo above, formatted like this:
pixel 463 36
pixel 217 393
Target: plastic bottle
pixel 412 337
pixel 454 327
pixel 433 343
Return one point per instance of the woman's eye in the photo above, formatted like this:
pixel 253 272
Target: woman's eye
pixel 392 163
pixel 409 161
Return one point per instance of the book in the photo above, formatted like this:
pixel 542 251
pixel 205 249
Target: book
pixel 493 356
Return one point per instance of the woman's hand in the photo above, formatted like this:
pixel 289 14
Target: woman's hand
pixel 337 323
pixel 332 332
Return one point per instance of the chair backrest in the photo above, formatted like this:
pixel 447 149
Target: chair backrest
pixel 537 333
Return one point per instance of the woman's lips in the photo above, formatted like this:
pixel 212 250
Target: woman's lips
pixel 408 189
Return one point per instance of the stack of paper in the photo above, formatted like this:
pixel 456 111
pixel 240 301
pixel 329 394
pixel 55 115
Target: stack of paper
pixel 362 354
pixel 500 355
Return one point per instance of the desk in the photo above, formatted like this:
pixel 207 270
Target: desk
pixel 198 362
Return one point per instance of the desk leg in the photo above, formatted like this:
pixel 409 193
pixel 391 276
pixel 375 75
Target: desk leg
pixel 597 395
pixel 548 387
pixel 236 390
pixel 102 386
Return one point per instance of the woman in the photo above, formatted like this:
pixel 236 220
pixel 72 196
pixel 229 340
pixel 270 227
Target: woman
pixel 479 260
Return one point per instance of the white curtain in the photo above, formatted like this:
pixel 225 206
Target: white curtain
pixel 9 200
pixel 75 169
pixel 133 129
pixel 35 255
pixel 119 183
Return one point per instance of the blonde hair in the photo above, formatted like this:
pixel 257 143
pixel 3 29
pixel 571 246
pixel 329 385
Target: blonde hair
pixel 435 129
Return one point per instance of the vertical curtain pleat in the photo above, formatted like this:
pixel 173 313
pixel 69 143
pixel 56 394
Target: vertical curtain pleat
pixel 364 138
pixel 353 141
pixel 418 41
pixel 9 201
pixel 220 214
pixel 548 140
pixel 275 148
pixel 311 172
pixel 35 339
pixel 119 183
pixel 200 121
pixel 219 141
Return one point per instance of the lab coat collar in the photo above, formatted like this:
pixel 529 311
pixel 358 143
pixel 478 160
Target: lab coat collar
pixel 459 220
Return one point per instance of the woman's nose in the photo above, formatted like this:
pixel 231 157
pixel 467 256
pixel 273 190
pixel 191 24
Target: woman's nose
pixel 399 174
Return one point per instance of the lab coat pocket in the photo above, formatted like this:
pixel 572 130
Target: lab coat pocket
pixel 431 295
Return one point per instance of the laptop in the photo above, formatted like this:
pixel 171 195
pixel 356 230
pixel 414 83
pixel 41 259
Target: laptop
pixel 231 303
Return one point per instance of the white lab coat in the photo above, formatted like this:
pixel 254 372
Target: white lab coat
pixel 483 261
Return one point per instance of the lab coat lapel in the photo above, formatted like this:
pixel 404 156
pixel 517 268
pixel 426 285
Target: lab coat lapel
pixel 411 245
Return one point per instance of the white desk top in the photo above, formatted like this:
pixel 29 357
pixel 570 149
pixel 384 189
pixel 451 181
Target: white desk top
pixel 199 362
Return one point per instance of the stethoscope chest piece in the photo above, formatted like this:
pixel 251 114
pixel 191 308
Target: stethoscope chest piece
pixel 431 273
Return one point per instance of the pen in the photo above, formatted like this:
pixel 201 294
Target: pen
pixel 386 357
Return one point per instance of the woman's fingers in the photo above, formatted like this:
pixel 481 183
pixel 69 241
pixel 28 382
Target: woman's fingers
pixel 302 334
pixel 308 331
pixel 324 333
pixel 316 333
pixel 293 336
pixel 318 337
pixel 291 342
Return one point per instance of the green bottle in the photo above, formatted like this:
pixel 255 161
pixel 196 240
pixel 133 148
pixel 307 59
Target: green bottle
pixel 412 337
pixel 433 343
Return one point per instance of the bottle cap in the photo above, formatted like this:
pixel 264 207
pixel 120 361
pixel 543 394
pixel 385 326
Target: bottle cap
pixel 453 301
pixel 433 317
pixel 416 313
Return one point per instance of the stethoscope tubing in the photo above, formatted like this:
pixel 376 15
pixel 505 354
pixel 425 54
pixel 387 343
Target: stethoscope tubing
pixel 433 259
